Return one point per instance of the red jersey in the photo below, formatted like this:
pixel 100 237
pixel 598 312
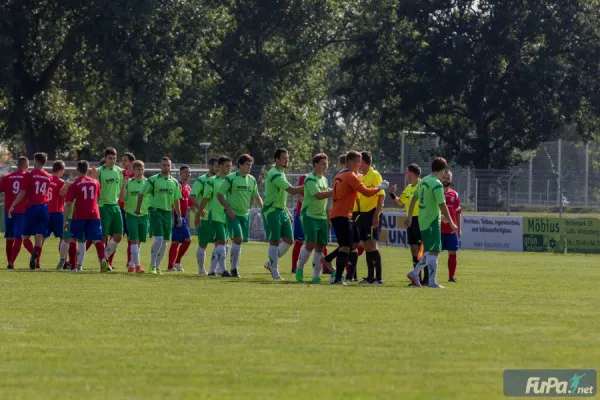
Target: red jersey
pixel 12 183
pixel 56 201
pixel 299 205
pixel 184 202
pixel 37 183
pixel 84 192
pixel 453 203
pixel 130 175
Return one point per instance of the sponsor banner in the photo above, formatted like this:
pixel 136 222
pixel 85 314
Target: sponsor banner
pixel 484 232
pixel 583 235
pixel 544 235
pixel 393 232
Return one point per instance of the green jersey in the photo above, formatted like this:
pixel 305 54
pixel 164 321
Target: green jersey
pixel 111 180
pixel 164 191
pixel 239 191
pixel 198 189
pixel 132 191
pixel 275 191
pixel 216 212
pixel 312 207
pixel 431 195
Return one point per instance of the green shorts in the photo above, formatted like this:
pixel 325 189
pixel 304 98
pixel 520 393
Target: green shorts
pixel 210 232
pixel 161 223
pixel 315 230
pixel 137 226
pixel 112 220
pixel 239 227
pixel 278 225
pixel 432 237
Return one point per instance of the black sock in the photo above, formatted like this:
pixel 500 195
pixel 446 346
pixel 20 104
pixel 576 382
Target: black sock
pixel 353 260
pixel 415 261
pixel 370 265
pixel 340 266
pixel 377 264
pixel 426 274
pixel 331 256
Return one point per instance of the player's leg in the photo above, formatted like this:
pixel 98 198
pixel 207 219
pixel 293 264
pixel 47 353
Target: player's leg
pixel 220 253
pixel 310 230
pixel 237 228
pixel 156 228
pixel 93 232
pixel 186 239
pixel 450 243
pixel 165 220
pixel 38 225
pixel 133 237
pixel 345 232
pixel 174 247
pixel 10 239
pixel 274 235
pixel 372 248
pixel 126 233
pixel 203 232
pixel 320 248
pixel 116 231
pixel 77 247
pixel 298 241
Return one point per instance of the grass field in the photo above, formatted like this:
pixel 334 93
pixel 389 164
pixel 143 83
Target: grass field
pixel 74 336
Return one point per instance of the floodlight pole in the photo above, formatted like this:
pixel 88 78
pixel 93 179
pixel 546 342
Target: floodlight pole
pixel 205 146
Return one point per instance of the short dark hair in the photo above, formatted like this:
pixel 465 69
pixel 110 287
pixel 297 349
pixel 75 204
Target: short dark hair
pixel 353 156
pixel 224 159
pixel 415 169
pixel 183 167
pixel 317 158
pixel 42 158
pixel 22 160
pixel 102 162
pixel 278 153
pixel 342 159
pixel 244 158
pixel 366 157
pixel 83 166
pixel 439 164
pixel 110 151
pixel 165 158
pixel 213 161
pixel 138 164
pixel 129 155
pixel 58 165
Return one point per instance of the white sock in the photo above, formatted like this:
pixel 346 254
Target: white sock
pixel 156 245
pixel 161 253
pixel 236 252
pixel 80 253
pixel 213 261
pixel 220 254
pixel 274 260
pixel 135 255
pixel 304 256
pixel 283 248
pixel 111 248
pixel 200 255
pixel 64 250
pixel 432 264
pixel 317 264
pixel 421 264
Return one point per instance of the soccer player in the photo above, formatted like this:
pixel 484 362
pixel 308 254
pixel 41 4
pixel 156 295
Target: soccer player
pixel 450 238
pixel 368 222
pixel 66 234
pixel 56 207
pixel 110 177
pixel 345 188
pixel 37 218
pixel 137 224
pixel 181 235
pixel 432 204
pixel 203 228
pixel 315 221
pixel 11 185
pixel 235 195
pixel 413 177
pixel 86 223
pixel 128 173
pixel 216 231
pixel 298 232
pixel 164 191
pixel 276 217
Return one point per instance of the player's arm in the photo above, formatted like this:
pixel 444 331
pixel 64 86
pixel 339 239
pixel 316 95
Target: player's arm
pixel 65 188
pixel 17 200
pixel 225 186
pixel 208 190
pixel 323 195
pixel 399 200
pixel 67 211
pixel 438 195
pixel 258 201
pixel 123 193
pixel 458 216
pixel 177 204
pixel 356 184
pixel 148 187
pixel 411 210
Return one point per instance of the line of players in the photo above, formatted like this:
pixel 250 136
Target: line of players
pixel 222 202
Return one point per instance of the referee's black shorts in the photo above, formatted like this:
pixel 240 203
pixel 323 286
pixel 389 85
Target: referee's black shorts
pixel 345 231
pixel 414 233
pixel 365 226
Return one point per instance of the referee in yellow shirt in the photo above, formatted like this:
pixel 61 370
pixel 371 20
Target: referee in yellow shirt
pixel 412 176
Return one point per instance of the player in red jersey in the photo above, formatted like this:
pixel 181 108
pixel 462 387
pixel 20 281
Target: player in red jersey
pixel 181 237
pixel 57 189
pixel 37 218
pixel 11 185
pixel 128 172
pixel 85 223
pixel 450 240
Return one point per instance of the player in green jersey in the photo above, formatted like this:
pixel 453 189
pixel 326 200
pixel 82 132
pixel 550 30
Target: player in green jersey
pixel 276 216
pixel 216 231
pixel 201 220
pixel 235 195
pixel 137 224
pixel 110 177
pixel 165 192
pixel 314 217
pixel 432 205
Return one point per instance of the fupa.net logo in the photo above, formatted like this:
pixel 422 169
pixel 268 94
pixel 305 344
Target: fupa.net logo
pixel 553 385
pixel 550 383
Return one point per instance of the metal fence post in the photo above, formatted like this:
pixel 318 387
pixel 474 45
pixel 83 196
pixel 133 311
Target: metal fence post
pixel 530 178
pixel 559 173
pixel 510 178
pixel 469 184
pixel 586 174
pixel 547 195
pixel 476 193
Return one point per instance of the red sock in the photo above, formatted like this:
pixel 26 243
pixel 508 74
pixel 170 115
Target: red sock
pixel 361 250
pixel 16 249
pixel 128 252
pixel 101 250
pixel 296 254
pixel 110 259
pixel 28 245
pixel 9 246
pixel 38 250
pixel 182 249
pixel 325 250
pixel 172 254
pixel 88 244
pixel 73 254
pixel 452 262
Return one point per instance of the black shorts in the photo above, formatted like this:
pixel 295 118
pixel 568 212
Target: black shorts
pixel 414 233
pixel 365 226
pixel 345 231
